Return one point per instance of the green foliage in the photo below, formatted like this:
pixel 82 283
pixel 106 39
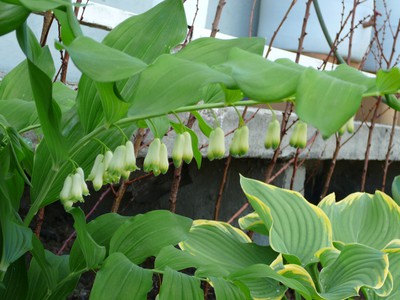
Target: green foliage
pixel 137 77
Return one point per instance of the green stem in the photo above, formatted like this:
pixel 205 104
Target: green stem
pixel 326 32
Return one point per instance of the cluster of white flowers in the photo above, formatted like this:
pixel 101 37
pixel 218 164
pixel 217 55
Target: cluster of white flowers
pixel 74 189
pixel 110 167
pixel 107 168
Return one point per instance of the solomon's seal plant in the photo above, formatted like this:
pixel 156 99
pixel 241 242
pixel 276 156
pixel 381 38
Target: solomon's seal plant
pixel 216 144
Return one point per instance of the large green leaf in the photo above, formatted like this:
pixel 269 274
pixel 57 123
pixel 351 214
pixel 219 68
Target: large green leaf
pixel 222 249
pixel 263 281
pixel 145 36
pixel 44 5
pixel 176 259
pixel 363 218
pixel 15 238
pixel 320 98
pixel 226 290
pixel 356 266
pixel 253 222
pixel 388 82
pixel 102 63
pixel 119 278
pixel 145 235
pixel 93 253
pixel 113 106
pixel 212 51
pixel 101 230
pixel 170 83
pixel 297 228
pixel 49 276
pixel 19 113
pixel 179 286
pixel 11 87
pixel 261 79
pixel 396 189
pixel 11 17
pixel 15 281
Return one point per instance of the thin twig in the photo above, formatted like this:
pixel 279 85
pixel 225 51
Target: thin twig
pixel 47 21
pixel 39 222
pixel 253 8
pixel 390 146
pixel 369 142
pixel 217 18
pixel 270 43
pixel 331 168
pixel 221 188
pixel 173 196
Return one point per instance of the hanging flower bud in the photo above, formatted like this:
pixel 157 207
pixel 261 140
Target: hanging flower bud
pixel 99 175
pixel 177 151
pixel 302 140
pixel 99 159
pixel 76 191
pixel 152 159
pixel 210 152
pixel 85 190
pixel 117 162
pixel 107 176
pixel 65 193
pixel 187 154
pixel 295 135
pixel 350 125
pixel 234 149
pixel 130 158
pixel 342 129
pixel 164 164
pixel 244 140
pixel 218 146
pixel 273 136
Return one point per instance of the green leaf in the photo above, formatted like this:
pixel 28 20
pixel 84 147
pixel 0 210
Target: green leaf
pixel 253 222
pixel 352 75
pixel 289 218
pixel 11 87
pixel 101 230
pixel 159 126
pixel 49 275
pixel 70 28
pixel 64 96
pixel 15 238
pixel 396 189
pixel 19 113
pixel 145 36
pixel 261 79
pixel 263 281
pixel 387 82
pixel 319 96
pixel 392 101
pixel 93 253
pixel 99 63
pixel 358 219
pixel 145 235
pixel 11 17
pixel 119 278
pixel 356 266
pixel 44 5
pixel 203 125
pixel 223 248
pixel 180 286
pixel 179 80
pixel 113 106
pixel 15 281
pixel 226 290
pixel 212 51
pixel 176 259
